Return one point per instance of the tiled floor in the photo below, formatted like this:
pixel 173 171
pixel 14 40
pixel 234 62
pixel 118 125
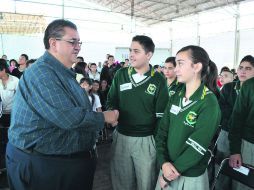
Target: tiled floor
pixel 102 179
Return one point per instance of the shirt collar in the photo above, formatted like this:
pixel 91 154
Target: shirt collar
pixel 56 64
pixel 199 94
pixel 150 72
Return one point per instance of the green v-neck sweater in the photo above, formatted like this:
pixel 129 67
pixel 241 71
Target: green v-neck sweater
pixel 186 131
pixel 242 118
pixel 141 105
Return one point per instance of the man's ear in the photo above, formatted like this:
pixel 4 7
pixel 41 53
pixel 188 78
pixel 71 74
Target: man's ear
pixel 149 55
pixel 52 44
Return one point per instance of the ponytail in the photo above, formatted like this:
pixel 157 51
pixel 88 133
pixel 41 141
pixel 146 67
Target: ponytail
pixel 210 78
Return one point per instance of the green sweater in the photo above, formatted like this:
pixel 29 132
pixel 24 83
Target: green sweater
pixel 141 105
pixel 242 118
pixel 174 87
pixel 228 95
pixel 186 131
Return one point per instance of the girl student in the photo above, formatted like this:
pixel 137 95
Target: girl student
pixel 190 121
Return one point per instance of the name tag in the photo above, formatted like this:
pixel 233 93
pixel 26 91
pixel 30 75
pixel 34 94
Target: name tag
pixel 126 86
pixel 175 109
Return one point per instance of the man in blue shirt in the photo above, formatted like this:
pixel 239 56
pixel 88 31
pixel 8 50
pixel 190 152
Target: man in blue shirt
pixel 53 128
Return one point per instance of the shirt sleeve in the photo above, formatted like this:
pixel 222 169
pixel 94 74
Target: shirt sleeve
pixel 54 102
pixel 198 142
pixel 238 118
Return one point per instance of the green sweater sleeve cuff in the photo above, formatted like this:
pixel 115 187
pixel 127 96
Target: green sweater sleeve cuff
pixel 235 148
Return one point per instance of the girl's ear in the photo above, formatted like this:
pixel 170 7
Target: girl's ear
pixel 198 67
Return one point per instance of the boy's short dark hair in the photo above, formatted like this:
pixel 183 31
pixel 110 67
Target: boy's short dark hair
pixel 146 42
pixel 171 60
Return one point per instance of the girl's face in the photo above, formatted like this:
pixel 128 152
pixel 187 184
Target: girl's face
pixel 185 69
pixel 245 71
pixel 13 64
pixel 104 84
pixel 86 69
pixel 96 86
pixel 86 86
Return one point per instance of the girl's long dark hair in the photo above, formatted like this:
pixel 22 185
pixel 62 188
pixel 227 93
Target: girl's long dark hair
pixel 209 70
pixel 80 68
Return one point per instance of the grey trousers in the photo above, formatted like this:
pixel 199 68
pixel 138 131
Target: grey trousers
pixel 133 163
pixel 187 183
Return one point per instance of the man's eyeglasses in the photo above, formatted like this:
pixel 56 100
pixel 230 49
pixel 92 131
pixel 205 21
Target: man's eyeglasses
pixel 74 43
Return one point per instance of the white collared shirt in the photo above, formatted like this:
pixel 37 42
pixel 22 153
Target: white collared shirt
pixel 7 93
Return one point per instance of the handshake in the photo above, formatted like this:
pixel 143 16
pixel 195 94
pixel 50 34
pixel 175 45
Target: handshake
pixel 111 117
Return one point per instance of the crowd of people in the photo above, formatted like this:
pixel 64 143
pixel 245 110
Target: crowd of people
pixel 165 117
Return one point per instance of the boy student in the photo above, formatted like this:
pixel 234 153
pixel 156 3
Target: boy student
pixel 141 95
pixel 170 75
pixel 241 133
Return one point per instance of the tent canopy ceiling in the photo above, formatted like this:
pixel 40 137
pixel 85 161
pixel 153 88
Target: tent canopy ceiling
pixel 155 11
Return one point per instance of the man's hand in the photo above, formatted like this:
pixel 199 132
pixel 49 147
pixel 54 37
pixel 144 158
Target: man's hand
pixel 111 117
pixel 235 161
pixel 169 171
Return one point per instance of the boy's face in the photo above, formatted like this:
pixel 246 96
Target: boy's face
pixel 86 86
pixel 96 86
pixel 138 57
pixel 226 77
pixel 93 68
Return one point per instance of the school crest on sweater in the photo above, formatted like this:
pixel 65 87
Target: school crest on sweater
pixel 151 89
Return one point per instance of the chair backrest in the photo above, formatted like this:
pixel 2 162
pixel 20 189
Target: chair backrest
pixel 227 170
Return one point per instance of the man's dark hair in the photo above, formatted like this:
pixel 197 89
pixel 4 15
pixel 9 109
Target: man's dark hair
pixel 171 60
pixel 25 56
pixel 145 41
pixel 56 30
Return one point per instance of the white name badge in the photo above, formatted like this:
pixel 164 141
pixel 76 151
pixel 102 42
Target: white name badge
pixel 126 86
pixel 175 109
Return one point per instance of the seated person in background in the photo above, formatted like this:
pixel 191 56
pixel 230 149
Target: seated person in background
pixel 87 85
pixel 103 93
pixel 17 72
pixel 96 86
pixel 226 76
pixel 93 73
pixel 81 69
